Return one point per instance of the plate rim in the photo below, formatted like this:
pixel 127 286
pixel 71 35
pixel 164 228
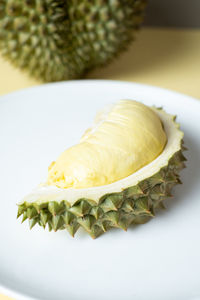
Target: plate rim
pixel 99 81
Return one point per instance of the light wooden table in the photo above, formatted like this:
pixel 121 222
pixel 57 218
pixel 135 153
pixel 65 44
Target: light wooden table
pixel 168 58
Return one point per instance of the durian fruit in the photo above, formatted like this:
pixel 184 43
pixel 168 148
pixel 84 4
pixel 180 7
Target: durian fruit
pixel 121 171
pixel 62 39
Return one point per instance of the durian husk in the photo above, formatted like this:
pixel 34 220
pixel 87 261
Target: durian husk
pixel 134 205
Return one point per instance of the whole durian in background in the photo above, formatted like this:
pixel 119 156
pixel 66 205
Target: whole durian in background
pixel 62 39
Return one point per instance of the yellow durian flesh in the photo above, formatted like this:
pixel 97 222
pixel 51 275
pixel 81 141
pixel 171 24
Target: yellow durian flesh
pixel 124 139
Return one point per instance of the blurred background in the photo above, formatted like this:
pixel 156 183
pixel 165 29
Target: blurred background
pixel 173 13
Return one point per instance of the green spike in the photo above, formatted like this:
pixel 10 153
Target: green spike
pixel 182 157
pixel 178 180
pixel 133 191
pixel 62 227
pixel 50 225
pixel 97 212
pixel 128 219
pixel 123 224
pixel 40 223
pixel 117 199
pixel 76 210
pixel 73 228
pixel 43 217
pixel 68 217
pixel 141 204
pixel 32 222
pixel 80 209
pixel 157 178
pixel 165 189
pixel 54 208
pixel 62 207
pixel 108 204
pixel 86 207
pixel 104 225
pixel 86 222
pixel 66 204
pixel 21 209
pixel 128 206
pixel 36 207
pixel 31 212
pixel 156 193
pixel 96 231
pixel 103 228
pixel 170 177
pixel 179 165
pixel 57 222
pixel 40 206
pixel 151 212
pixel 112 216
pixel 24 216
pixel 144 185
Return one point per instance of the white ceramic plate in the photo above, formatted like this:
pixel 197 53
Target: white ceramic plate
pixel 158 260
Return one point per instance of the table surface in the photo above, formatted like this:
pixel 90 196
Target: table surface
pixel 168 58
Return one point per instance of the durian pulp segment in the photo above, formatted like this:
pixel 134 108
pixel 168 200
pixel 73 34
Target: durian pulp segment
pixel 45 193
pixel 125 139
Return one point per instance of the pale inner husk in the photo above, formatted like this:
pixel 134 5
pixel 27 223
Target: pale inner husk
pixel 46 193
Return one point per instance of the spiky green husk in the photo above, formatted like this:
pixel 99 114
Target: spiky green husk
pixel 135 204
pixel 61 39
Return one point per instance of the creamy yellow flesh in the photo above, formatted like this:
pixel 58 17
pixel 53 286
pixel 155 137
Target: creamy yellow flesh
pixel 121 142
